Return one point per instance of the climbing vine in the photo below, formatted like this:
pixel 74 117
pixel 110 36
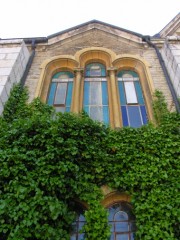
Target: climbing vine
pixel 49 160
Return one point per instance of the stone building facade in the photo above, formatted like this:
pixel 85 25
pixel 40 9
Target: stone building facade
pixel 110 72
pixel 34 61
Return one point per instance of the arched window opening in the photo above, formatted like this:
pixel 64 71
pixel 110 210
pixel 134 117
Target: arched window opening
pixel 133 108
pixel 60 92
pixel 95 101
pixel 78 224
pixel 122 221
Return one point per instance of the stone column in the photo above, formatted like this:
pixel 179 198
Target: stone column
pixel 77 86
pixel 115 98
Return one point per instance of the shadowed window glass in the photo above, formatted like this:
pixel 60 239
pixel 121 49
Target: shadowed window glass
pixel 78 224
pixel 121 221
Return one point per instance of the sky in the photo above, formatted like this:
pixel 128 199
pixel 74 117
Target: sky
pixel 41 18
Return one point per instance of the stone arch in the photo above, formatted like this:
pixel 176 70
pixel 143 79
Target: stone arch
pixel 48 68
pixel 102 55
pixel 112 196
pixel 141 67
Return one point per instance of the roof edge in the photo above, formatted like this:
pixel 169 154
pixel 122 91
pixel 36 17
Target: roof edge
pixel 91 22
pixel 168 24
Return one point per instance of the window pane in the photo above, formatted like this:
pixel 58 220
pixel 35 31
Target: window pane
pixel 73 237
pixel 122 93
pixel 60 109
pixel 95 69
pixel 127 77
pixel 124 116
pixel 139 93
pixel 121 227
pixel 52 93
pixel 144 114
pixel 111 226
pixel 121 216
pixel 106 114
pixel 95 93
pixel 69 94
pixel 86 109
pixel 60 93
pixel 132 236
pixel 132 227
pixel 96 113
pixel 104 93
pixel 86 93
pixel 130 92
pixel 134 116
pixel 103 72
pixel 81 224
pixel 67 109
pixel 111 214
pixel 122 236
pixel 81 218
pixel 81 237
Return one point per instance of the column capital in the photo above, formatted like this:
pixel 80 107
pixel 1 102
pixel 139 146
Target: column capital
pixel 111 70
pixel 78 70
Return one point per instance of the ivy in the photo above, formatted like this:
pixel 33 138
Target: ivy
pixel 49 160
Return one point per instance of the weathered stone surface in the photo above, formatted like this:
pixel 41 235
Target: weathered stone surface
pixel 14 56
pixel 171 56
pixel 97 38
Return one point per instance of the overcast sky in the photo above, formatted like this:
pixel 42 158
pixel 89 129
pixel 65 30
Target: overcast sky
pixel 40 18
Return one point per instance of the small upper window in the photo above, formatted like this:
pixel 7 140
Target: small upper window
pixel 60 92
pixel 122 221
pixel 95 70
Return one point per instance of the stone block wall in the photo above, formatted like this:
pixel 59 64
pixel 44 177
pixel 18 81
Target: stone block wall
pixel 171 56
pixel 14 56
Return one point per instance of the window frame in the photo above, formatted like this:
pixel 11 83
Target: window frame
pixel 104 98
pixel 131 109
pixel 130 221
pixel 68 95
pixel 79 209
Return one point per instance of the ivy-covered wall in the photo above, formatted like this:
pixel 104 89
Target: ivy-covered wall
pixel 48 160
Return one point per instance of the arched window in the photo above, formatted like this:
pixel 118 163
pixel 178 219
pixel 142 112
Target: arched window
pixel 60 92
pixel 122 221
pixel 95 101
pixel 131 99
pixel 78 224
